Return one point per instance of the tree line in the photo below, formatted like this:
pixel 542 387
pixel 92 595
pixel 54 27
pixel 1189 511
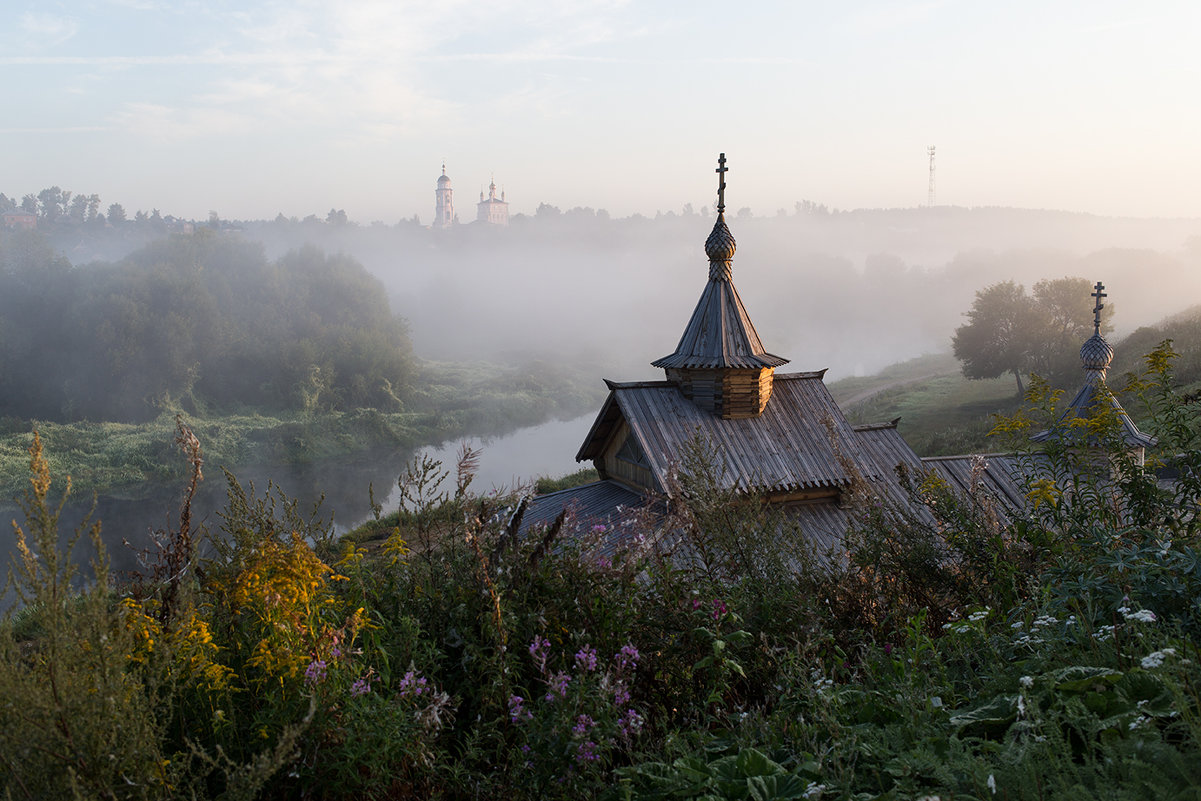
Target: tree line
pixel 202 322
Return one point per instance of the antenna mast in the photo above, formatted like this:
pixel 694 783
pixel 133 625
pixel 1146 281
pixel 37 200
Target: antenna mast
pixel 930 193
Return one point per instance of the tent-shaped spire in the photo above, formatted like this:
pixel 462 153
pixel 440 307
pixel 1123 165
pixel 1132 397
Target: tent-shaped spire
pixel 720 344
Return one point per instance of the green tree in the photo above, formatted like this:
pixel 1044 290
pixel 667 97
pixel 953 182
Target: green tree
pixel 1001 333
pixel 1011 331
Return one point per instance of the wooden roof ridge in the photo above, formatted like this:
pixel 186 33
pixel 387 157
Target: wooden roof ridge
pixel 720 332
pixel 636 384
pixel 876 426
pixel 801 375
pixel 959 456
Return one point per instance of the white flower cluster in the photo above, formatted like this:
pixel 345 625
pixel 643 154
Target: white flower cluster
pixel 814 791
pixel 1156 658
pixel 1141 616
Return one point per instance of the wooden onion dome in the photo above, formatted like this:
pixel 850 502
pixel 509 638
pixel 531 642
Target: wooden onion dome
pixel 720 364
pixel 1095 357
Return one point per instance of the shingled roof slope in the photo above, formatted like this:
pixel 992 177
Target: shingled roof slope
pixel 790 447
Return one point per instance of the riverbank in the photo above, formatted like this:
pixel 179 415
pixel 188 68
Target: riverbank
pixel 455 401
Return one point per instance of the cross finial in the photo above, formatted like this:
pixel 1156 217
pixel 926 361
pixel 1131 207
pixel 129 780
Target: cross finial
pixel 1097 310
pixel 721 171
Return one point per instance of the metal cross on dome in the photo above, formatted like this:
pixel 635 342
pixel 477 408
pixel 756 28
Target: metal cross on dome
pixel 721 171
pixel 1097 310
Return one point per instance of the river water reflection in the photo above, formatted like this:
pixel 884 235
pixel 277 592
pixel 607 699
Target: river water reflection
pixel 543 450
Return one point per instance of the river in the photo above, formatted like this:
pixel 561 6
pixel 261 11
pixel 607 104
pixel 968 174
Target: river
pixel 505 461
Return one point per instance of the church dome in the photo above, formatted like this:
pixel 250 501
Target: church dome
pixel 443 179
pixel 720 245
pixel 1096 353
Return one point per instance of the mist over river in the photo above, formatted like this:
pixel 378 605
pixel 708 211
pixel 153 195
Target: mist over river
pixel 505 461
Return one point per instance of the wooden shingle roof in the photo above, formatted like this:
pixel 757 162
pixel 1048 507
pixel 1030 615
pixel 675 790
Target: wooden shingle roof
pixel 794 445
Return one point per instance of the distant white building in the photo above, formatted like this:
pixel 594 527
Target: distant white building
pixel 444 206
pixel 493 210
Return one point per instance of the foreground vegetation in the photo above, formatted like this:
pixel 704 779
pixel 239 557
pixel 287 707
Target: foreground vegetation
pixel 943 653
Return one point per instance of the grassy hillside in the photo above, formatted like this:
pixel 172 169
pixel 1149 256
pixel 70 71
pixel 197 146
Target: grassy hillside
pixel 944 413
pixel 941 411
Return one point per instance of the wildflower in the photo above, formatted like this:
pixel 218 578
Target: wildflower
pixel 1017 625
pixel 586 752
pixel 1026 681
pixel 696 604
pixel 361 686
pixel 719 609
pixel 585 659
pixel 315 672
pixel 626 657
pixel 992 784
pixel 517 712
pixel 583 725
pixel 814 791
pixel 976 617
pixel 621 695
pixel 412 685
pixel 598 529
pixel 538 650
pixel 1104 633
pixel 1141 616
pixel 887 649
pixel 1044 620
pixel 1156 658
pixel 1138 722
pixel 630 723
pixel 558 686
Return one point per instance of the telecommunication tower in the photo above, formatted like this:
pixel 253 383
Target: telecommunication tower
pixel 930 194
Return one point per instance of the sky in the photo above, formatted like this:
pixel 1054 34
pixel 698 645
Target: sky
pixel 255 108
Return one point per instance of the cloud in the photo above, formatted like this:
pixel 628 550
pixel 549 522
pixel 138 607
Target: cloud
pixel 48 29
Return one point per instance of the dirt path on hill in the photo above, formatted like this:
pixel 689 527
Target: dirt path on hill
pixel 867 394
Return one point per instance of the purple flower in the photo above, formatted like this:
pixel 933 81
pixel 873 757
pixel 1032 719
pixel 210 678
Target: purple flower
pixel 598 529
pixel 412 685
pixel 585 659
pixel 315 672
pixel 517 712
pixel 583 725
pixel 558 686
pixel 696 604
pixel 887 648
pixel 538 650
pixel 630 723
pixel 627 657
pixel 621 695
pixel 719 608
pixel 360 687
pixel 586 752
